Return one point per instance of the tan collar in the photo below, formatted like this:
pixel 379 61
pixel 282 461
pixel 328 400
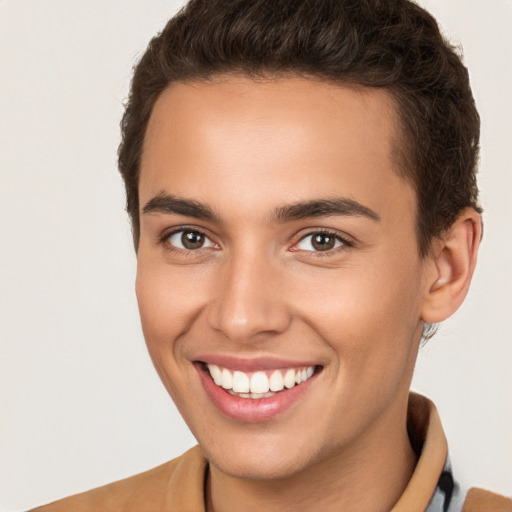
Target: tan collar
pixel 427 436
pixel 185 488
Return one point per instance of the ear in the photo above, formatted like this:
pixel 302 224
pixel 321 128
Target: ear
pixel 451 266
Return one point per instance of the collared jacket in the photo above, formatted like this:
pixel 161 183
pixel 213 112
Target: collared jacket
pixel 178 485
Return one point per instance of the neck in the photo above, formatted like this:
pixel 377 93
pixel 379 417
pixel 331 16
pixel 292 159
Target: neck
pixel 370 475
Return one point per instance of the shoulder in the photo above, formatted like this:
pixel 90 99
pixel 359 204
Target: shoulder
pixel 480 500
pixel 149 491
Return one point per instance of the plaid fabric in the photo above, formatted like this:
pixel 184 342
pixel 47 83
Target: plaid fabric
pixel 449 495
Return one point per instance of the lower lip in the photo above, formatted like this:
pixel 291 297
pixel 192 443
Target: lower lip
pixel 250 410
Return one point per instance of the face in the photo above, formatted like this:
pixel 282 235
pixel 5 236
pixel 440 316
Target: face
pixel 279 281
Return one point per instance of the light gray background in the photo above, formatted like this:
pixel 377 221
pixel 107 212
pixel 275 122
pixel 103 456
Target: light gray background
pixel 80 402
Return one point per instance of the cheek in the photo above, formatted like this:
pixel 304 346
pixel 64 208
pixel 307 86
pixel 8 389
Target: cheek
pixel 370 317
pixel 168 301
pixel 167 309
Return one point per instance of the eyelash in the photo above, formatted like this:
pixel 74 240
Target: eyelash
pixel 345 241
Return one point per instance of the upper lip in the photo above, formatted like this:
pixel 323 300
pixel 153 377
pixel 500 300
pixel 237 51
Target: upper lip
pixel 253 364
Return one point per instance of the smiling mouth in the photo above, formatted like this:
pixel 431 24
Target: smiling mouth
pixel 259 384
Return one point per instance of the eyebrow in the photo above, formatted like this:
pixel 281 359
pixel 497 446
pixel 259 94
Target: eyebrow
pixel 165 203
pixel 169 204
pixel 323 208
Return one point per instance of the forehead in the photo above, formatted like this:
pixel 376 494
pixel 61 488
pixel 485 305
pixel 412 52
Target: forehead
pixel 285 138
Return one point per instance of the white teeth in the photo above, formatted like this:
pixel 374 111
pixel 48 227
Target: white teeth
pixel 240 382
pixel 216 374
pixel 259 383
pixel 254 396
pixel 289 378
pixel 276 382
pixel 227 379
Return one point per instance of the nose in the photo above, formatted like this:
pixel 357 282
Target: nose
pixel 248 299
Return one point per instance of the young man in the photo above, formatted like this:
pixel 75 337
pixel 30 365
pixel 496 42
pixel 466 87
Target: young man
pixel 301 182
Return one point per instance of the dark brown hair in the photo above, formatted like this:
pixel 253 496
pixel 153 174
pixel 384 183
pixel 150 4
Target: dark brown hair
pixel 394 45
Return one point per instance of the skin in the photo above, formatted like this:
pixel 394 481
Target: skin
pixel 258 288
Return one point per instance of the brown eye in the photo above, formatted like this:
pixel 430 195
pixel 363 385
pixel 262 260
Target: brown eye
pixel 320 242
pixel 323 242
pixel 192 240
pixel 189 240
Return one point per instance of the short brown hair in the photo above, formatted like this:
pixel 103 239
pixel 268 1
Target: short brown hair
pixel 394 45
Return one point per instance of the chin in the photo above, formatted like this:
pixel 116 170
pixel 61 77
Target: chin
pixel 258 459
pixel 247 467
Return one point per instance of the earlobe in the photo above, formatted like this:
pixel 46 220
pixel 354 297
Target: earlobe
pixel 453 261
